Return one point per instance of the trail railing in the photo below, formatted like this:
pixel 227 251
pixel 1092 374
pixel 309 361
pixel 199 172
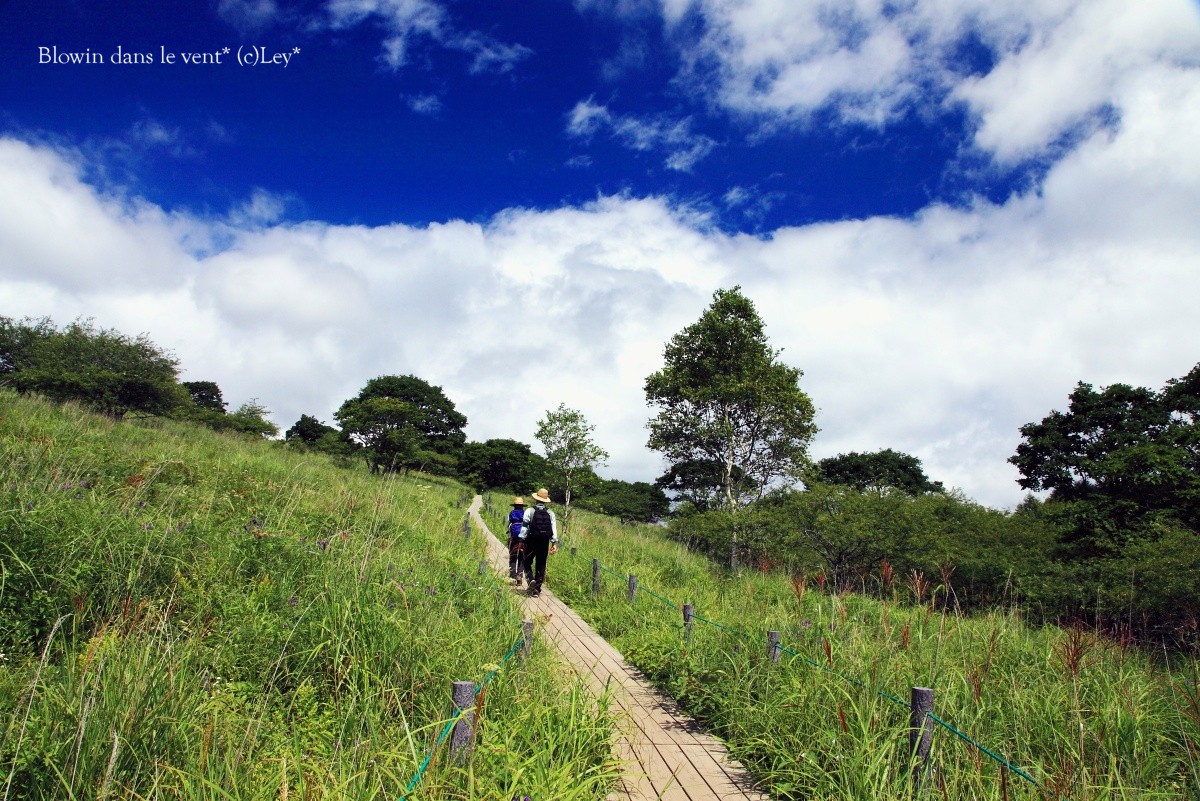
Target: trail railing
pixel 922 720
pixel 460 728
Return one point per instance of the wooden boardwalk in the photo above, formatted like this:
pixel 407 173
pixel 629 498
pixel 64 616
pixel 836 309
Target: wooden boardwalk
pixel 666 756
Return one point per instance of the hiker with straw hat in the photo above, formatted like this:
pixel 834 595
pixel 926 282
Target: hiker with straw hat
pixel 516 546
pixel 541 539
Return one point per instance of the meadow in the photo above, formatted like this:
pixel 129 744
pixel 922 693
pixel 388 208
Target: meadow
pixel 1022 710
pixel 192 615
pixel 186 614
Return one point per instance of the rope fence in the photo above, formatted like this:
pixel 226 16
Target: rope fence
pixel 464 695
pixel 776 647
pixel 459 728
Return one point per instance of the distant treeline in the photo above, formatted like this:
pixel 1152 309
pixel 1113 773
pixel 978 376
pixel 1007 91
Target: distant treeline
pixel 396 423
pixel 1115 542
pixel 1113 539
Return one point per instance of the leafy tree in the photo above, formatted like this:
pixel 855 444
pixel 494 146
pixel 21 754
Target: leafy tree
pixel 724 398
pixel 630 501
pixel 311 434
pixel 251 418
pixel 17 342
pixel 878 471
pixel 697 483
pixel 566 436
pixel 384 428
pixel 206 395
pixel 403 421
pixel 1120 459
pixel 308 430
pixel 101 368
pixel 502 464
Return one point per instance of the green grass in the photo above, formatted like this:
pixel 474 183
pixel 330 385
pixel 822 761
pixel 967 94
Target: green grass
pixel 187 615
pixel 1084 717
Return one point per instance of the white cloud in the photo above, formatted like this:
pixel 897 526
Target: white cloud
pixel 937 335
pixel 407 21
pixel 1065 72
pixel 1054 64
pixel 488 54
pixel 428 105
pixel 587 117
pixel 684 147
pixel 262 208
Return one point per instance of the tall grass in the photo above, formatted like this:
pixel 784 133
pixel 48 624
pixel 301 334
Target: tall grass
pixel 188 615
pixel 1084 717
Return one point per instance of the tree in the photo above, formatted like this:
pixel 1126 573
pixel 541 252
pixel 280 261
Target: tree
pixel 697 483
pixel 502 464
pixel 384 428
pixel 251 418
pixel 101 368
pixel 311 434
pixel 308 430
pixel 402 421
pixel 566 438
pixel 17 342
pixel 725 399
pixel 630 501
pixel 1121 458
pixel 206 395
pixel 876 472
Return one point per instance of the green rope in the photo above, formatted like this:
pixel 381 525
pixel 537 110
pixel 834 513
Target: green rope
pixel 640 587
pixel 983 748
pixel 613 572
pixel 441 738
pixel 722 627
pixel 520 641
pixel 999 759
pixel 651 592
pixel 429 756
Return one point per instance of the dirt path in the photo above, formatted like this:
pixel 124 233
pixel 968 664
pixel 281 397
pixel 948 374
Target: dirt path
pixel 667 757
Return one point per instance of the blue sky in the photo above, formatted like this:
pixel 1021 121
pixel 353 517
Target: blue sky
pixel 947 211
pixel 491 105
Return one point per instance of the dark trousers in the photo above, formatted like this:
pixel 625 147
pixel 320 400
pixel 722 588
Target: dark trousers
pixel 536 551
pixel 517 561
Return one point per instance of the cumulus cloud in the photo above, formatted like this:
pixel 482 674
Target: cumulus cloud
pixel 683 146
pixel 1050 68
pixel 937 335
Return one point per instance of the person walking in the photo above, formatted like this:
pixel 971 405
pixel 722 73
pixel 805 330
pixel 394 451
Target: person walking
pixel 541 539
pixel 516 545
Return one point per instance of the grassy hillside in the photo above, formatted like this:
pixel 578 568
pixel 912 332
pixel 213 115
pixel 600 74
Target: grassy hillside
pixel 188 615
pixel 1081 717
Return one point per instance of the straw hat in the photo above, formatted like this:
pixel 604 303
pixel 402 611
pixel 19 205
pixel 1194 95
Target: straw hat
pixel 542 495
pixel 518 501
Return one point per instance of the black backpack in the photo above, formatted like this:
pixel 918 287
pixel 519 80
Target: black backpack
pixel 539 524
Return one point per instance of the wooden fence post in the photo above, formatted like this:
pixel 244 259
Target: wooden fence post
pixel 774 649
pixel 467 527
pixel 632 593
pixel 920 733
pixel 689 611
pixel 463 736
pixel 483 567
pixel 595 577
